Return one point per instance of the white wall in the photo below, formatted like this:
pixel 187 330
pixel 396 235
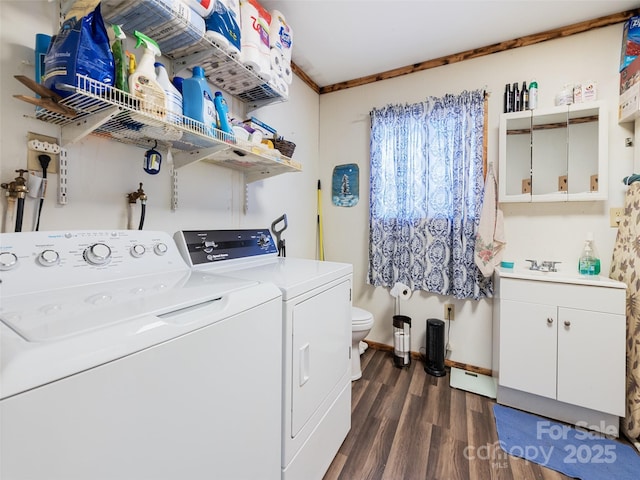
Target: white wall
pixel 328 132
pixel 542 231
pixel 102 172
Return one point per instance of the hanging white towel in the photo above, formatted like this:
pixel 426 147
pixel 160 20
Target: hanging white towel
pixel 490 240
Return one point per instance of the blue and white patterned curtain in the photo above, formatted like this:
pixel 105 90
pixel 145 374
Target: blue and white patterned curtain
pixel 426 191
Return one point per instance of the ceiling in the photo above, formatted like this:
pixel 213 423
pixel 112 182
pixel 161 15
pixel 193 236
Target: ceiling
pixel 340 40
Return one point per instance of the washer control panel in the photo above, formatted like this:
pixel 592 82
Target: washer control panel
pixel 201 247
pixel 33 261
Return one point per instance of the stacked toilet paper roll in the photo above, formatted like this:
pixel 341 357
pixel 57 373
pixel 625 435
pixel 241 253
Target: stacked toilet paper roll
pixel 402 344
pixel 280 43
pixel 254 38
pixel 400 291
pixel 223 26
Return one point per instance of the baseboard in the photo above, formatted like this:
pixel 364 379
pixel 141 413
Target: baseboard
pixel 419 356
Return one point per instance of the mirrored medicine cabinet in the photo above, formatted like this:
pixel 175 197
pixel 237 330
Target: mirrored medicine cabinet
pixel 553 154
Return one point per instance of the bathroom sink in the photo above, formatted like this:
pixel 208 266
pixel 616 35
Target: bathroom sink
pixel 559 277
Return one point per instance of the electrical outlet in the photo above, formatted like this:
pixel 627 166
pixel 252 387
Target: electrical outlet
pixel 449 311
pixel 615 215
pixel 33 164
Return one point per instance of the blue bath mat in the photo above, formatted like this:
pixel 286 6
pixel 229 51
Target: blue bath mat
pixel 575 452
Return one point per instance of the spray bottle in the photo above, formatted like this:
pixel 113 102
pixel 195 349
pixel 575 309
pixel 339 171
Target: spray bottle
pixel 143 83
pixel 116 38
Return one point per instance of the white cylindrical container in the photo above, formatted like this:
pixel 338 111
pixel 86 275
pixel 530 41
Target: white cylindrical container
pixel 533 95
pixel 172 95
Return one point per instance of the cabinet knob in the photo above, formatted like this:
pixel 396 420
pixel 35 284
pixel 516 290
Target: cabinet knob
pixel 567 323
pixel 549 321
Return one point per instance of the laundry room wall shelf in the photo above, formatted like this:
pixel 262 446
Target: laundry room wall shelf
pixel 107 112
pixel 224 71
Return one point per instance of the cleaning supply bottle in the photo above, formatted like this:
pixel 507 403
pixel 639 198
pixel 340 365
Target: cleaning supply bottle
pixel 131 59
pixel 177 82
pixel 524 97
pixel 589 263
pixel 143 83
pixel 533 95
pixel 223 113
pixel 197 100
pixel 173 96
pixel 117 37
pixel 508 107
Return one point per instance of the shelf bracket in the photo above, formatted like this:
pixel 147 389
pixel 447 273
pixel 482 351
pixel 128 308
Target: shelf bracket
pixel 246 195
pixel 76 131
pixel 174 188
pixel 63 170
pixel 182 159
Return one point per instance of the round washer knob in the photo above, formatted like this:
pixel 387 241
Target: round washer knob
pixel 8 260
pixel 160 248
pixel 48 258
pixel 98 254
pixel 138 250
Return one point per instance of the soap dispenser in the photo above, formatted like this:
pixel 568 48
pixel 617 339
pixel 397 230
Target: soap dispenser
pixel 589 263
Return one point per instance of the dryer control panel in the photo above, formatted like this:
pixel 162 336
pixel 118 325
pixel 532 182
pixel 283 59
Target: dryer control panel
pixel 203 247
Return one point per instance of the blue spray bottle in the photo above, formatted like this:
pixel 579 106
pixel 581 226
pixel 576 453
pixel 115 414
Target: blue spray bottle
pixel 223 113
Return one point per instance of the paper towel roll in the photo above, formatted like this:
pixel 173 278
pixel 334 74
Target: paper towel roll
pixel 401 291
pixel 255 38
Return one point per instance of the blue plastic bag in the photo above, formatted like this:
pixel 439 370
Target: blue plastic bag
pixel 81 47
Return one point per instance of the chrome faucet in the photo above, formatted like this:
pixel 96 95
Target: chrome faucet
pixel 550 265
pixel 545 266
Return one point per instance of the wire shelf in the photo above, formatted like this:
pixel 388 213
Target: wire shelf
pixel 188 46
pixel 107 112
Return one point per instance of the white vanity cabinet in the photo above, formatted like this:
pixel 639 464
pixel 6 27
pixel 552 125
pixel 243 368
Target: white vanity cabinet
pixel 559 347
pixel 553 154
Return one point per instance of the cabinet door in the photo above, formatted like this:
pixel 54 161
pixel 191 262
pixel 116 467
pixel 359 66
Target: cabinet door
pixel 515 157
pixel 591 359
pixel 549 155
pixel 586 155
pixel 320 353
pixel 528 347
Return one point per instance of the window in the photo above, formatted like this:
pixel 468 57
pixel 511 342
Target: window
pixel 426 189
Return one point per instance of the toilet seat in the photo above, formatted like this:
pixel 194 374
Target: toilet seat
pixel 361 323
pixel 360 317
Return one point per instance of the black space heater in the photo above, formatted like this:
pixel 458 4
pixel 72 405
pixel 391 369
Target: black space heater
pixel 434 364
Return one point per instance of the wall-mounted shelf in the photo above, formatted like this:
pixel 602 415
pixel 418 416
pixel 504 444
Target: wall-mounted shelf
pixel 155 18
pixel 111 113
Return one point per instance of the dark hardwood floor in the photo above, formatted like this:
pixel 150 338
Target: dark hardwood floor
pixel 406 425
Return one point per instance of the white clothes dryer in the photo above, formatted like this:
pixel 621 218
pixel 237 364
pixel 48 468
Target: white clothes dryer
pixel 316 330
pixel 120 362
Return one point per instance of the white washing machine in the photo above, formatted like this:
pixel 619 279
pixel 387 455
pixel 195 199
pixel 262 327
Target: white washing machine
pixel 316 328
pixel 117 361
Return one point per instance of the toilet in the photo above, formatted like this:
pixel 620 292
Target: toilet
pixel 361 323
